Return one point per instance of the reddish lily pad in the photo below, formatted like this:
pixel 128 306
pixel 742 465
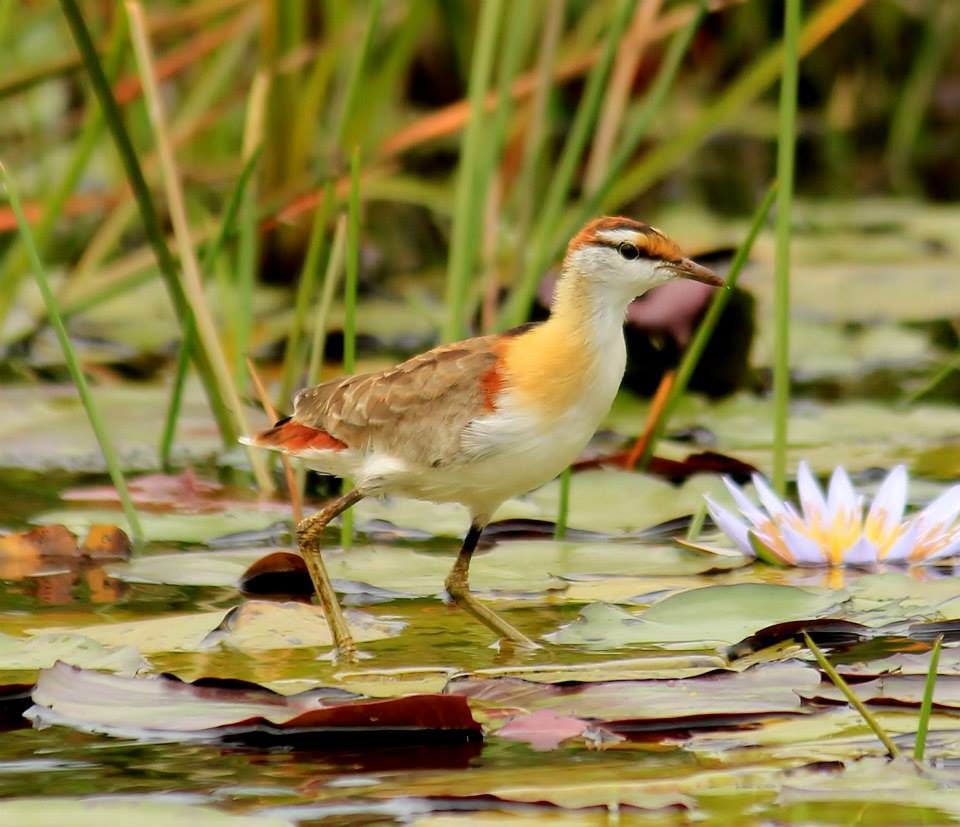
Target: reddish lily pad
pixel 165 707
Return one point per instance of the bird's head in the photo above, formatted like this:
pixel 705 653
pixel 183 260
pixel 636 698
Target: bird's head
pixel 630 257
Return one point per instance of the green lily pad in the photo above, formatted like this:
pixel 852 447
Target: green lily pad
pixel 252 626
pixel 699 618
pixel 44 650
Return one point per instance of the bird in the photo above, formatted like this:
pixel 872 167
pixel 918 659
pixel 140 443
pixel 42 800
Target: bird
pixel 485 419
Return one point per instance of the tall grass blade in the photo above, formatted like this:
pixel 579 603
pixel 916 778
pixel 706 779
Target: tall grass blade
pixel 521 297
pixel 189 340
pixel 471 188
pixel 193 283
pixel 892 749
pixel 351 95
pixel 92 129
pixel 786 150
pixel 73 363
pixel 745 88
pixel 694 350
pixel 248 247
pixel 293 360
pixel 527 185
pixel 635 128
pixel 331 281
pixel 350 309
pixel 296 502
pixel 148 211
pixel 926 707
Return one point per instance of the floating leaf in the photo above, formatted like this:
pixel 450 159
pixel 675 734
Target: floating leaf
pixel 144 811
pixel 699 618
pixel 44 650
pixel 252 626
pixel 167 707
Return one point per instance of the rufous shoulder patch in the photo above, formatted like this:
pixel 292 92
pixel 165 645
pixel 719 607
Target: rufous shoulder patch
pixel 292 436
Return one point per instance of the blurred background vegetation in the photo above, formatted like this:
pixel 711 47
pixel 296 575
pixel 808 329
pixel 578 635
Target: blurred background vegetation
pixel 483 134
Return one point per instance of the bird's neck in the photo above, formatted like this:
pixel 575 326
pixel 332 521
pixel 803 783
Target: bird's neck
pixel 575 360
pixel 590 311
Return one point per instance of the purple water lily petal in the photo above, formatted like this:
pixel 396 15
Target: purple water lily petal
pixel 951 548
pixel 746 506
pixel 840 494
pixel 731 526
pixel 805 551
pixel 811 497
pixel 942 511
pixel 861 553
pixel 771 502
pixel 903 545
pixel 891 499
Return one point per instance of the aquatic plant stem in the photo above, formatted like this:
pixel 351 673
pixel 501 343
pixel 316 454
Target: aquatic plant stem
pixel 296 503
pixel 73 363
pixel 892 749
pixel 148 212
pixel 331 281
pixel 189 339
pixel 471 188
pixel 563 506
pixel 694 350
pixel 786 149
pixel 540 249
pixel 350 309
pixel 190 269
pixel 926 706
pixel 293 361
pixel 12 263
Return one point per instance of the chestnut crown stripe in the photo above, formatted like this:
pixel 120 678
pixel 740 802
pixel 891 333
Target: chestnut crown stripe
pixel 649 241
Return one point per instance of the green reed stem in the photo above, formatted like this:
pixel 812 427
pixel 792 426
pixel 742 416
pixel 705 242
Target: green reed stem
pixel 526 189
pixel 350 309
pixel 926 707
pixel 15 258
pixel 563 506
pixel 471 187
pixel 892 749
pixel 907 122
pixel 73 363
pixel 693 352
pixel 331 281
pixel 351 95
pixel 696 522
pixel 216 394
pixel 189 340
pixel 635 129
pixel 521 297
pixel 786 149
pixel 746 87
pixel 293 357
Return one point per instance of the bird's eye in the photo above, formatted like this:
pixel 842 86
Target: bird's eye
pixel 628 251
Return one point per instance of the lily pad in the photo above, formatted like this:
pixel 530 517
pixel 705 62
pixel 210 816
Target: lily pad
pixel 699 618
pixel 252 626
pixel 144 811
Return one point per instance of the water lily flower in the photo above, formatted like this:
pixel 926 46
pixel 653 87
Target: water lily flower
pixel 831 530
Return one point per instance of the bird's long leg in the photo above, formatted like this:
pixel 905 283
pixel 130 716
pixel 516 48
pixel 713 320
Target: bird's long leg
pixel 308 540
pixel 458 587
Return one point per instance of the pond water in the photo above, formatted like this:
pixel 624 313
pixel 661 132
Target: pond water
pixel 817 762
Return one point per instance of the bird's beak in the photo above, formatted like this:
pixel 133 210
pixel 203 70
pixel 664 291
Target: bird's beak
pixel 688 269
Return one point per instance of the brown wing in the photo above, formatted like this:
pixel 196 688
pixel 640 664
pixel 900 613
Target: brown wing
pixel 416 410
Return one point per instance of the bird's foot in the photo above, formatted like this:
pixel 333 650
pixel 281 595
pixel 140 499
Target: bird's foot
pixel 460 594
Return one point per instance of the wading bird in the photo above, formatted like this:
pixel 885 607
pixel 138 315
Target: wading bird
pixel 485 419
